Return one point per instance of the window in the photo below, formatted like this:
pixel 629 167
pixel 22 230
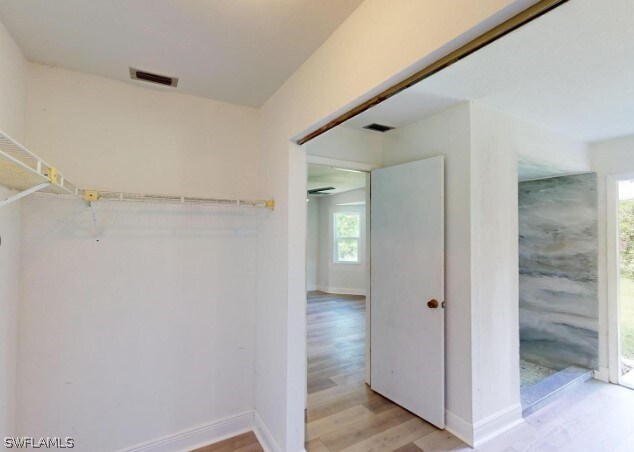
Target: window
pixel 346 237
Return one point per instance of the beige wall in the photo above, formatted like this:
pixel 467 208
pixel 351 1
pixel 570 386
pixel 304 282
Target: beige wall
pixel 155 322
pixel 116 136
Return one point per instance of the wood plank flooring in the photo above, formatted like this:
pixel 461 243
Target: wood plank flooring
pixel 247 442
pixel 344 414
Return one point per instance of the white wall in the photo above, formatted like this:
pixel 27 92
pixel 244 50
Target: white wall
pixel 609 158
pixel 143 334
pixel 352 145
pixel 448 134
pixel 494 270
pixel 12 101
pixel 337 277
pixel 9 300
pixel 482 148
pixel 550 154
pixel 312 243
pixel 357 61
pixel 613 156
pixel 498 141
pixel 152 330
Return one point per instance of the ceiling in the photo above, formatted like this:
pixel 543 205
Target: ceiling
pixel 238 51
pixel 342 180
pixel 570 71
pixel 408 107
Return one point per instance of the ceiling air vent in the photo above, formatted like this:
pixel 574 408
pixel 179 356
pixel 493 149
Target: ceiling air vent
pixel 378 127
pixel 137 74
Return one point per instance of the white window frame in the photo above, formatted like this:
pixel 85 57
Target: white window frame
pixel 613 279
pixel 336 238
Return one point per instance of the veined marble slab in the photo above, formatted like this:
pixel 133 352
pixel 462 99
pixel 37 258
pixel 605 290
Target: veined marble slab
pixel 559 271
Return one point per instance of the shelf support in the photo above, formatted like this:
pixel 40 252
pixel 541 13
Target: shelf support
pixel 24 193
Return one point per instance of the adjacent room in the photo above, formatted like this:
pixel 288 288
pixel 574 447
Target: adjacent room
pixel 556 163
pixel 357 225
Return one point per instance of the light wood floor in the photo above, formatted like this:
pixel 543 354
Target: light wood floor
pixel 247 442
pixel 343 413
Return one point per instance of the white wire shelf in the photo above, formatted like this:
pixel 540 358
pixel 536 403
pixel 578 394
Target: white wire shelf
pixel 25 172
pixel 22 170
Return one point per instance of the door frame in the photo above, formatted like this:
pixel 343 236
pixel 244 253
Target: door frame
pixel 365 168
pixel 613 276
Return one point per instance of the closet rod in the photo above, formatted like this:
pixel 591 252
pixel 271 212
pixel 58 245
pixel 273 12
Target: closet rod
pixel 95 195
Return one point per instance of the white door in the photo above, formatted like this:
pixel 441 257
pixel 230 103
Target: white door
pixel 407 287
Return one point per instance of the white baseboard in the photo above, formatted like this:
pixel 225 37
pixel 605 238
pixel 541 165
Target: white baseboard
pixel 200 436
pixel 340 290
pixel 476 434
pixel 264 435
pixel 602 374
pixel 496 424
pixel 458 427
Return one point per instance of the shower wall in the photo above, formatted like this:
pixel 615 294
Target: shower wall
pixel 559 271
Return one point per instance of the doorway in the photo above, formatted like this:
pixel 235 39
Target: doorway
pixel 337 282
pixel 343 409
pixel 626 283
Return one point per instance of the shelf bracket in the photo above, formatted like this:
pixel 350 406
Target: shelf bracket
pixel 24 193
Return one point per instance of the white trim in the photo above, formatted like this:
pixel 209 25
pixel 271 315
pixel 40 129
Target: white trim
pixel 342 164
pixel 266 439
pixel 612 231
pixel 488 428
pixel 340 290
pixel 200 436
pixel 496 424
pixel 603 374
pixel 368 281
pixel 458 427
pixel 613 274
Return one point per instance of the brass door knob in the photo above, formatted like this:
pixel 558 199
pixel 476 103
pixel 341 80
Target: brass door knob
pixel 432 304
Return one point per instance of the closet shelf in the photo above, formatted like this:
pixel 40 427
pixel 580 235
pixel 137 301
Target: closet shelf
pixel 22 170
pixel 25 172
